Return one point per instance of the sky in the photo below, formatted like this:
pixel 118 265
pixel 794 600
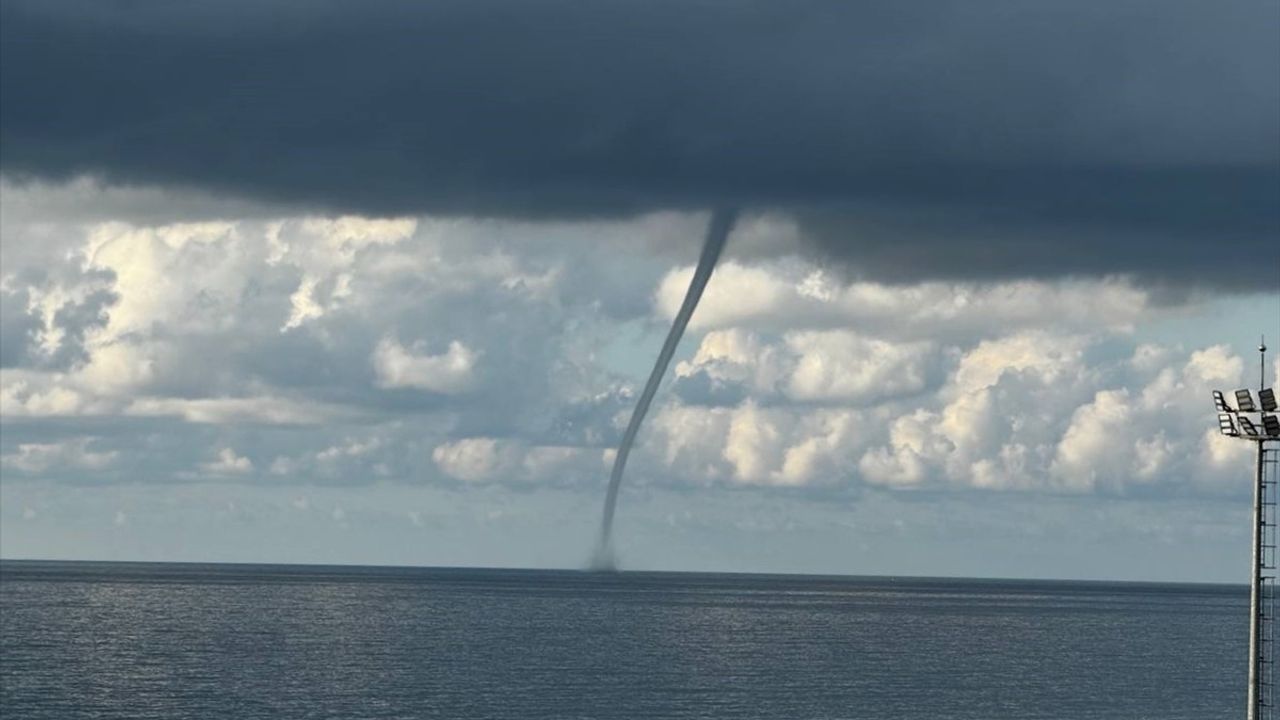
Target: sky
pixel 338 283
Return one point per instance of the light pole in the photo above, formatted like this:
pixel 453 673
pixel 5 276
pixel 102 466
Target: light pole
pixel 1239 422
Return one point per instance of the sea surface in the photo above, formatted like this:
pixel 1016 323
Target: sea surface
pixel 125 640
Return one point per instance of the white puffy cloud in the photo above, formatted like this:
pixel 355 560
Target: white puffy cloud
pixel 449 372
pixel 325 249
pixel 902 462
pixel 1030 413
pixel 822 366
pixel 1011 385
pixel 472 459
pixel 160 285
pixel 754 445
pixel 228 463
pixel 72 454
pixel 487 459
pixel 152 270
pixel 34 395
pixel 1156 434
pixel 191 314
pixel 1047 357
pixel 350 448
pixel 842 365
pixel 1021 393
pixel 311 337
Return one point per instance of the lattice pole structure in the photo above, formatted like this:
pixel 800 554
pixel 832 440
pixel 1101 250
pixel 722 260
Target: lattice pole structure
pixel 1259 424
pixel 1265 610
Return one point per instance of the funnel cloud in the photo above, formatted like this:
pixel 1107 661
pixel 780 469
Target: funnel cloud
pixel 717 233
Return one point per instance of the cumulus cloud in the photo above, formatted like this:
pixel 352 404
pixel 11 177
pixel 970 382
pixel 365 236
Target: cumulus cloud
pixel 325 249
pixel 1029 413
pixel 350 448
pixel 25 395
pixel 228 463
pixel 188 315
pixel 505 460
pixel 824 366
pixel 71 454
pixel 1032 412
pixel 999 386
pixel 470 459
pixel 503 352
pixel 449 372
pixel 753 445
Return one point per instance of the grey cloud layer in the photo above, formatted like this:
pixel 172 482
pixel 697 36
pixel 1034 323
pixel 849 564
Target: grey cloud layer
pixel 1135 137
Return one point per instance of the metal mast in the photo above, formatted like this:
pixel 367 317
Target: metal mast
pixel 1239 422
pixel 1262 683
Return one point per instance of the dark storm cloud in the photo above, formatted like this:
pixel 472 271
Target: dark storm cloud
pixel 1069 137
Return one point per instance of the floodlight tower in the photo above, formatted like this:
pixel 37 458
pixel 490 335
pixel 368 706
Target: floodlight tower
pixel 1238 422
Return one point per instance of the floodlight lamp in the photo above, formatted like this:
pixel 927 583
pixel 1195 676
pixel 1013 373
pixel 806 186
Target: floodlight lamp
pixel 1271 425
pixel 1247 428
pixel 1267 399
pixel 1220 402
pixel 1244 401
pixel 1226 427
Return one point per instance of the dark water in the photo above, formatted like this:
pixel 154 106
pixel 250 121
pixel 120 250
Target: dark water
pixel 222 641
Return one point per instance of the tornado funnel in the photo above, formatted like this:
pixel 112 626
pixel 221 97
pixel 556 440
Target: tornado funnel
pixel 717 233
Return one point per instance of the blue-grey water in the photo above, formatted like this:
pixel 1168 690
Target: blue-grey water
pixel 106 640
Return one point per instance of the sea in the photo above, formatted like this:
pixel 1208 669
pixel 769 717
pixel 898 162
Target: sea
pixel 239 642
